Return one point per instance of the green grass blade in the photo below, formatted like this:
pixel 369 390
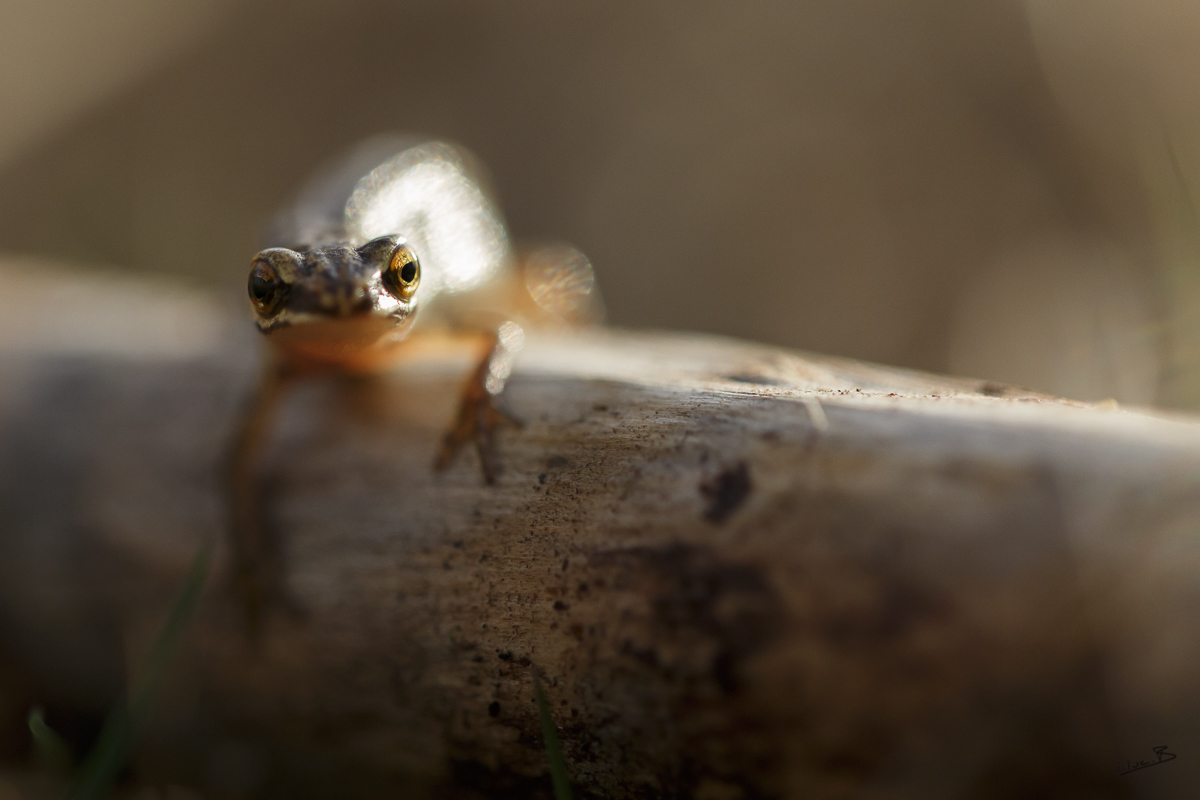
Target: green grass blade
pixel 50 751
pixel 168 637
pixel 558 766
pixel 112 749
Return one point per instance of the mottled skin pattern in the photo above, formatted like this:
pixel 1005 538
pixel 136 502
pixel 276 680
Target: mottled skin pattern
pixel 335 280
pixel 336 306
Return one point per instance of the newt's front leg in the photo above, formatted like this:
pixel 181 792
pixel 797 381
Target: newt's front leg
pixel 478 413
pixel 257 569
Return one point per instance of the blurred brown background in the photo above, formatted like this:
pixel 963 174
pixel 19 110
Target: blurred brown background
pixel 999 189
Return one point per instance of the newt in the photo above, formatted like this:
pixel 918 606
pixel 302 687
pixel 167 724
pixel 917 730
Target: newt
pixel 399 238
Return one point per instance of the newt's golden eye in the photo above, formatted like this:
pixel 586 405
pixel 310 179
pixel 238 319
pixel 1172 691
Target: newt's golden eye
pixel 403 273
pixel 266 288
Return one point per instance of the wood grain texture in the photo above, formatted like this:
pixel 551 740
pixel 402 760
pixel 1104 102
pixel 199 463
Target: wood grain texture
pixel 741 572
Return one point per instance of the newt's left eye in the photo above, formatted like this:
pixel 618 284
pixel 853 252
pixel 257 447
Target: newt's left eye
pixel 266 288
pixel 403 273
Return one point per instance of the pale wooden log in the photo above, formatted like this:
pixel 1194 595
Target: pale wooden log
pixel 742 572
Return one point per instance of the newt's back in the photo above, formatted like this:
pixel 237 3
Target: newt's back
pixel 433 193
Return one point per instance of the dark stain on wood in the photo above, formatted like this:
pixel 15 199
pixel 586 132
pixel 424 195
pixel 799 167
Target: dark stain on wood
pixel 726 492
pixel 695 593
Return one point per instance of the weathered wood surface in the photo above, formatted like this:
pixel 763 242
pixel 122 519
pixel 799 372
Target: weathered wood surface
pixel 742 572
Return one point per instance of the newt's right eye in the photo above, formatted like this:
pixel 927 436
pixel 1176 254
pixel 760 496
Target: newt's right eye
pixel 266 288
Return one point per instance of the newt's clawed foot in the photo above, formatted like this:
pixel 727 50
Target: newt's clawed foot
pixel 257 569
pixel 478 418
pixel 478 412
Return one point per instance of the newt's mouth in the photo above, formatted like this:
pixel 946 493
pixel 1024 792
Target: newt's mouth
pixel 337 314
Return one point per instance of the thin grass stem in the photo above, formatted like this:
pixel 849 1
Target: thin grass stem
pixel 117 737
pixel 558 766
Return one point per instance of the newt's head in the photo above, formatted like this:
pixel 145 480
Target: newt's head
pixel 336 304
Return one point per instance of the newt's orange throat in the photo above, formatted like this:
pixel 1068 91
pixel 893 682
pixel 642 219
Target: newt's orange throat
pixel 353 344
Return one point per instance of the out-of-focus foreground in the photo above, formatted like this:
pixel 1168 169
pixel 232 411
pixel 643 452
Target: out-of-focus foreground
pixel 997 189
